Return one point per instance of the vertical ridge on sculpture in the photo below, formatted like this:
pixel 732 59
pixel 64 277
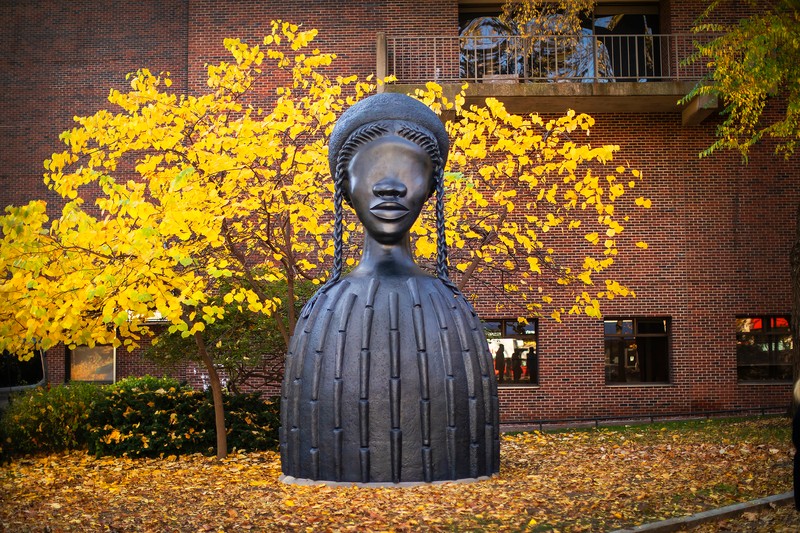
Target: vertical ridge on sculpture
pixel 396 436
pixel 489 388
pixel 313 452
pixel 315 384
pixel 338 382
pixel 449 381
pixel 424 385
pixel 363 375
pixel 471 376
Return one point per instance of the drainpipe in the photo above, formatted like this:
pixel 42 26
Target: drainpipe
pixel 381 58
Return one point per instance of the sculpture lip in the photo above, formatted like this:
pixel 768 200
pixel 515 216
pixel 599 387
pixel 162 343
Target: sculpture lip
pixel 389 210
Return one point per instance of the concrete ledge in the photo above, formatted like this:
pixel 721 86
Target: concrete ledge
pixel 676 524
pixel 617 97
pixel 700 108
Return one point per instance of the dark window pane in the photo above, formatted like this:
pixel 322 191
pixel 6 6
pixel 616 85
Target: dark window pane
pixel 651 325
pixel 16 373
pixel 617 351
pixel 637 350
pixel 749 353
pixel 653 359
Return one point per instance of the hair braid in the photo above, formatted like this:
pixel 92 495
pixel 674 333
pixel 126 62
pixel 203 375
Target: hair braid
pixel 441 237
pixel 338 234
pixel 338 250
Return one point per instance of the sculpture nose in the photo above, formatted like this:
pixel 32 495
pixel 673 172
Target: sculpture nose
pixel 389 188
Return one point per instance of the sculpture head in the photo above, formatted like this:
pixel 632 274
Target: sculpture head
pixel 387 156
pixel 386 171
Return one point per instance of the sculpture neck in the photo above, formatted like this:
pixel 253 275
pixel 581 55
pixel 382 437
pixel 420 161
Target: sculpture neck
pixel 386 259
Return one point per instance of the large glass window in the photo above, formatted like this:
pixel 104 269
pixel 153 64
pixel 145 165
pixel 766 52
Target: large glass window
pixel 637 350
pixel 514 347
pixel 626 34
pixel 91 364
pixel 763 348
pixel 616 42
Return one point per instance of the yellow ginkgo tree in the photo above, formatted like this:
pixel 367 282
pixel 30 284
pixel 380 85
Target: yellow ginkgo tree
pixel 529 205
pixel 187 207
pixel 178 206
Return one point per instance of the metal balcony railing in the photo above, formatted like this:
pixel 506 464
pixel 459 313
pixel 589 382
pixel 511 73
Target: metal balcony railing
pixel 542 58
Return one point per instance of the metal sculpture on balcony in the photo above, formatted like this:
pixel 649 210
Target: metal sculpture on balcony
pixel 490 47
pixel 492 50
pixel 389 378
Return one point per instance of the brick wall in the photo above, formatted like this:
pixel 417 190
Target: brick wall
pixel 719 234
pixel 719 231
pixel 59 60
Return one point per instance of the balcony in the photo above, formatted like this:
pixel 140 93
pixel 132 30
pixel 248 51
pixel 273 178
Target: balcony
pixel 553 73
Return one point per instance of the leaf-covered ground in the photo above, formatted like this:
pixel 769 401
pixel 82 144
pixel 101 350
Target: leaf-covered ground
pixel 595 480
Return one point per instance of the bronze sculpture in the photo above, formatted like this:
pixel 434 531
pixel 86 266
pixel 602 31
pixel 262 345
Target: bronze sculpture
pixel 389 378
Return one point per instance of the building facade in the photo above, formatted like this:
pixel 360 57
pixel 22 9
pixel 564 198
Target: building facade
pixel 708 329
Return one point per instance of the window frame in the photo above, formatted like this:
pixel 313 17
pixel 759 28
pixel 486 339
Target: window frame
pixel 772 334
pixel 525 338
pixel 69 359
pixel 635 335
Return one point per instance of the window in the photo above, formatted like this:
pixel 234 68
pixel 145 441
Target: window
pixel 637 350
pixel 514 347
pixel 96 364
pixel 763 348
pixel 626 34
pixel 16 375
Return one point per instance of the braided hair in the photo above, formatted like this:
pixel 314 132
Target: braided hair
pixel 358 138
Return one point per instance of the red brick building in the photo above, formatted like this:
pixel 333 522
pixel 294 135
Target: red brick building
pixel 707 331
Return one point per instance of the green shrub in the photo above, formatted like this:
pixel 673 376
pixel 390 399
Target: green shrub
pixel 144 416
pixel 138 421
pixel 49 419
pixel 152 418
pixel 252 422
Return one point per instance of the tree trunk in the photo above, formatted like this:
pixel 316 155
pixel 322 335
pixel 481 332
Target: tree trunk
pixel 216 395
pixel 290 306
pixel 467 275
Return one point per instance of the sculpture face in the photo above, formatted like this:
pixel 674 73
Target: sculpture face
pixel 389 181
